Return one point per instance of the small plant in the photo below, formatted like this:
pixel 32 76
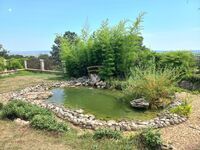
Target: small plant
pixel 23 110
pixel 106 133
pixel 48 123
pixel 40 118
pixel 150 139
pixel 183 110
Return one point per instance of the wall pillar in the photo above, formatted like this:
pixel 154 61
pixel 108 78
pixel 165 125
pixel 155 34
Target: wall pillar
pixel 42 64
pixel 25 64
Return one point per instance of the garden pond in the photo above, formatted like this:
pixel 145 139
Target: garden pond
pixel 104 104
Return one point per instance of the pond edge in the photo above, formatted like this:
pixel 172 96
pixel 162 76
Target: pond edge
pixel 38 94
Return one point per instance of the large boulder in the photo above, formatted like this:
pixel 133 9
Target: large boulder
pixel 140 103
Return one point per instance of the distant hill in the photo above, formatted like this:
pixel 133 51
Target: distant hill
pixel 30 53
pixel 193 51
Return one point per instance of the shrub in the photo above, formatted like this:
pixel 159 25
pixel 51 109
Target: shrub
pixel 106 133
pixel 184 60
pixel 150 139
pixel 14 64
pixel 183 109
pixel 48 123
pixel 155 85
pixel 40 118
pixel 23 110
pixel 2 66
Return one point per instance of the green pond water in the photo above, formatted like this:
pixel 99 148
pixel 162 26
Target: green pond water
pixel 104 104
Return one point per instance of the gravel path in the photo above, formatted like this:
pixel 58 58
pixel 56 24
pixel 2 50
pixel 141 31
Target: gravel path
pixel 186 136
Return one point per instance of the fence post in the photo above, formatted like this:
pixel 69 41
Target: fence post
pixel 25 64
pixel 5 64
pixel 42 64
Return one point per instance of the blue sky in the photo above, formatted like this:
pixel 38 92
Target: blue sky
pixel 28 25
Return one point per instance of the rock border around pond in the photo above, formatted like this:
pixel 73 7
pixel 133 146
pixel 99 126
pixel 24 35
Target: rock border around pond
pixel 39 93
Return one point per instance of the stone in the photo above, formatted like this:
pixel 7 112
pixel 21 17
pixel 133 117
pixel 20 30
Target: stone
pixel 91 117
pixel 167 147
pixel 171 122
pixel 128 128
pixel 94 78
pixel 143 123
pixel 141 126
pixel 176 121
pixel 21 122
pixel 80 111
pixel 160 125
pixel 32 96
pixel 62 112
pixel 117 128
pixel 111 122
pixel 167 123
pixel 78 84
pixel 133 126
pixel 140 103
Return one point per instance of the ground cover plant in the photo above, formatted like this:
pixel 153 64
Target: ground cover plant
pixel 39 118
pixel 183 110
pixel 23 110
pixel 150 139
pixel 106 133
pixel 46 122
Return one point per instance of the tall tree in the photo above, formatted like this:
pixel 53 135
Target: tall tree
pixel 3 52
pixel 55 53
pixel 108 65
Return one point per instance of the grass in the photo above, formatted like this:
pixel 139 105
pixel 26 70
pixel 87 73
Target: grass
pixel 23 79
pixel 48 76
pixel 18 137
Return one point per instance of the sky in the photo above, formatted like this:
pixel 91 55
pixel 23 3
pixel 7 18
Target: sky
pixel 32 25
